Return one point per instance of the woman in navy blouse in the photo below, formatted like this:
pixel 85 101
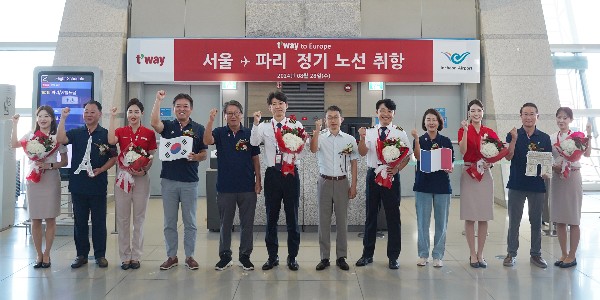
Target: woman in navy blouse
pixel 431 190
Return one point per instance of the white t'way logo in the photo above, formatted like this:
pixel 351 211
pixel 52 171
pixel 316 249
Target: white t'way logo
pixel 150 60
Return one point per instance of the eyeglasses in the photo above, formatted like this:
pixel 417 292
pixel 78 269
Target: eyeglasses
pixel 233 114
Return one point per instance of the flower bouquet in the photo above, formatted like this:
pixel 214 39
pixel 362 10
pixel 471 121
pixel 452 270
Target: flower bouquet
pixel 492 150
pixel 38 146
pixel 133 159
pixel 291 142
pixel 571 150
pixel 390 152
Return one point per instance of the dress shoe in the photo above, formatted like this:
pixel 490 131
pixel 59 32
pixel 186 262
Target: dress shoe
pixel 125 265
pixel 483 264
pixel 46 265
pixel 474 265
pixel 558 263
pixel 509 261
pixel 324 263
pixel 342 264
pixel 271 262
pixel 363 261
pixel 539 262
pixel 38 264
pixel 292 264
pixel 79 261
pixel 102 262
pixel 565 265
pixel 135 264
pixel 394 265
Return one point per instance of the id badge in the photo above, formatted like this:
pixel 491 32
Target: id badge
pixel 278 159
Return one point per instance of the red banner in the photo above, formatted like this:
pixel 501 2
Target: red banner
pixel 303 60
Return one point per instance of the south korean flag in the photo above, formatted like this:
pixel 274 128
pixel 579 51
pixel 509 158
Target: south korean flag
pixel 175 148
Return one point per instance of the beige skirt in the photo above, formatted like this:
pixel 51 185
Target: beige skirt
pixel 44 197
pixel 476 197
pixel 566 196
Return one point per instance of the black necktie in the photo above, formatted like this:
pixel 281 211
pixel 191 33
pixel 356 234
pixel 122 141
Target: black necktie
pixel 279 125
pixel 382 135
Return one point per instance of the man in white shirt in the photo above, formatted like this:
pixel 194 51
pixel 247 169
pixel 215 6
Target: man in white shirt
pixel 278 187
pixel 336 151
pixel 378 195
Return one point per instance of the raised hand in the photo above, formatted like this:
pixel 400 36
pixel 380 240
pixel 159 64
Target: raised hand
pixel 15 119
pixel 362 131
pixel 588 129
pixel 318 124
pixel 414 133
pixel 513 133
pixel 212 115
pixel 65 112
pixel 464 124
pixel 257 117
pixel 113 111
pixel 160 95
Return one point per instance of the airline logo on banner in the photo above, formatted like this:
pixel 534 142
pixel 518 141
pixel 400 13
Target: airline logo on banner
pixel 333 60
pixel 435 160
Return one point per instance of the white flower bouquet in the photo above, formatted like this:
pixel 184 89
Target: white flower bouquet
pixel 390 152
pixel 291 142
pixel 38 146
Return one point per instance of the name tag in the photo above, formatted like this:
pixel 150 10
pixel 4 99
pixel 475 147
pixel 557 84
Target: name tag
pixel 278 159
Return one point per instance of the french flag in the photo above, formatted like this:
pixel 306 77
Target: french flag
pixel 435 160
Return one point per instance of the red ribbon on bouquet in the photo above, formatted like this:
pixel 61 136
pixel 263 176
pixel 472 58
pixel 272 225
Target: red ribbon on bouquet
pixel 382 177
pixel 289 155
pixel 125 180
pixel 35 174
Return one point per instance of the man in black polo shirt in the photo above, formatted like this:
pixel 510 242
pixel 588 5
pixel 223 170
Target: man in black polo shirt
pixel 238 181
pixel 91 157
pixel 179 182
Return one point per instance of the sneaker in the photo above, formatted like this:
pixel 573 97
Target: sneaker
pixel 191 263
pixel 422 261
pixel 223 264
pixel 437 263
pixel 394 265
pixel 509 261
pixel 245 263
pixel 538 261
pixel 171 262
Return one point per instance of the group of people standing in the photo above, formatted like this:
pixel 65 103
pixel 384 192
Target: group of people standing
pixel 239 181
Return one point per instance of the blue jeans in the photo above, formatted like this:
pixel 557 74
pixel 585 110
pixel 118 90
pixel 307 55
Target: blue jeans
pixel 516 202
pixel 441 205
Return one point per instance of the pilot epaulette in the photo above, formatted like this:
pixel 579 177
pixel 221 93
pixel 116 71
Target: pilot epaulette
pixel 370 127
pixel 267 121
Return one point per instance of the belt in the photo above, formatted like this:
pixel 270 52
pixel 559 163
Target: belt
pixel 334 177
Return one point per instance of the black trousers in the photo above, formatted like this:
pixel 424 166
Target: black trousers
pixel 83 205
pixel 378 196
pixel 280 188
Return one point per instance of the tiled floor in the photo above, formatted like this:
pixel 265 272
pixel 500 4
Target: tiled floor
pixel 456 280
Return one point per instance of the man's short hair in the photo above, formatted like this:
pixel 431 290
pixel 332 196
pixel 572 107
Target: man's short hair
pixel 528 104
pixel 277 95
pixel 389 104
pixel 234 103
pixel 334 108
pixel 184 96
pixel 98 105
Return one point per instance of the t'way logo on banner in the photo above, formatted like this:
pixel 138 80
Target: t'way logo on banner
pixel 391 60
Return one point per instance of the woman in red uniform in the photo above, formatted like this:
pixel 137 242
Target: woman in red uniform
pixel 476 197
pixel 130 249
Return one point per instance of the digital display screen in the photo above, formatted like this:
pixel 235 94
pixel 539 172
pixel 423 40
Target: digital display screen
pixel 66 89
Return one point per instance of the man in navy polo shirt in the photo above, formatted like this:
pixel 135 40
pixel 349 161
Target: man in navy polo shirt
pixel 91 157
pixel 527 138
pixel 179 182
pixel 238 181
